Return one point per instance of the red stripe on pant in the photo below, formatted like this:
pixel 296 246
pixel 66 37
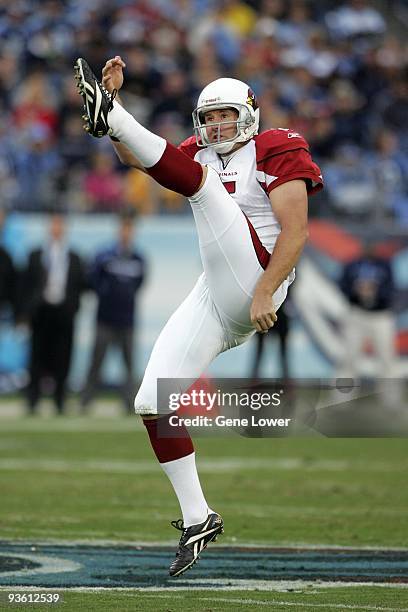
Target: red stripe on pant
pixel 262 254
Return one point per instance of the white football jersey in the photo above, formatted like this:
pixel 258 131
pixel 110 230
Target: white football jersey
pixel 249 174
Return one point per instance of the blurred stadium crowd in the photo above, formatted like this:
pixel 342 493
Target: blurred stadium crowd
pixel 335 71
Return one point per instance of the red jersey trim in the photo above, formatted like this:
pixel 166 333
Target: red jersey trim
pixel 305 175
pixel 262 254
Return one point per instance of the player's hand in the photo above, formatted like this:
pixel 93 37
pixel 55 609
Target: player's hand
pixel 112 73
pixel 263 315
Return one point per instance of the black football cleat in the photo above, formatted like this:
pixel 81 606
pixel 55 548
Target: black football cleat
pixel 97 100
pixel 193 541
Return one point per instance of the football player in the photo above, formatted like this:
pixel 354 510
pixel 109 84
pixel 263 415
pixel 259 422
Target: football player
pixel 249 197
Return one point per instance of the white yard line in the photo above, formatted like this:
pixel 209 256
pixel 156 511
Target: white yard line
pixel 280 586
pixel 244 585
pixel 271 546
pixel 257 602
pixel 70 424
pixel 223 464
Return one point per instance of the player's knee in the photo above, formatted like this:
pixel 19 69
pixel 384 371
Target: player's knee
pixel 210 187
pixel 144 407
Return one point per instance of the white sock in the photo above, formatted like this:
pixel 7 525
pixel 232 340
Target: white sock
pixel 147 147
pixel 186 484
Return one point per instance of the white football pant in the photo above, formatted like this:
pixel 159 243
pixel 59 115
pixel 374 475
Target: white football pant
pixel 215 316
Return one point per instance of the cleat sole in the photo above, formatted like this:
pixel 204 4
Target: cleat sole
pixel 97 126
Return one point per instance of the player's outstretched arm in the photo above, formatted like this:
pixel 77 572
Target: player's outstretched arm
pixel 289 203
pixel 112 78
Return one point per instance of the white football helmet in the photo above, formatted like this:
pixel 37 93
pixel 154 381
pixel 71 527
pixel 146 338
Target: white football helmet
pixel 227 93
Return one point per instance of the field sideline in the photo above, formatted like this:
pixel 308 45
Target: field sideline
pixel 93 479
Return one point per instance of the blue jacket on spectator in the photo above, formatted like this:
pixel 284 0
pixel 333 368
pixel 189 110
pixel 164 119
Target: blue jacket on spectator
pixel 116 275
pixel 368 283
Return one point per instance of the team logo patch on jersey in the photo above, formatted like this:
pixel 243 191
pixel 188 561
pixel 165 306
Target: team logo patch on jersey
pixel 251 99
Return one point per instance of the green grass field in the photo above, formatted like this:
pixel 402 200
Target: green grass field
pixel 94 479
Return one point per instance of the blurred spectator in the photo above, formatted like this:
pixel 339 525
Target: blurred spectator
pixel 8 179
pixel 142 77
pixel 294 30
pixel 389 168
pixel 116 276
pixel 367 283
pixel 53 282
pixel 298 86
pixel 138 191
pixel 348 117
pixel 13 25
pixel 176 99
pixel 375 183
pixel 37 164
pixel 319 134
pixel 216 30
pixel 350 184
pixel 354 18
pixel 8 76
pixel 239 16
pixel 103 184
pixel 8 275
pixel 35 103
pixel 395 112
